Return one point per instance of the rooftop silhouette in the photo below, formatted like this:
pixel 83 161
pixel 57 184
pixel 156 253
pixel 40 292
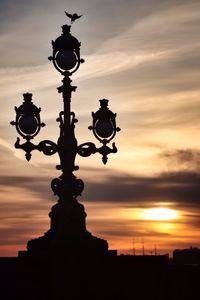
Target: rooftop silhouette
pixel 111 277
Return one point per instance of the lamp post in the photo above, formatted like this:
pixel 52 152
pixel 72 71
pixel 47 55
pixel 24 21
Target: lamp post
pixel 67 234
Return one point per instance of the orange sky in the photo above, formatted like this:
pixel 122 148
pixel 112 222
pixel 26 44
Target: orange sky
pixel 144 57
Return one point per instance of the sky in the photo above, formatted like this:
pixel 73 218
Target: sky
pixel 142 55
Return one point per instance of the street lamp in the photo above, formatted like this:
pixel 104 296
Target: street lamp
pixel 67 234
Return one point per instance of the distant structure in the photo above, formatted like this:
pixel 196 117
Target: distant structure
pixel 143 250
pixel 155 250
pixel 133 247
pixel 189 256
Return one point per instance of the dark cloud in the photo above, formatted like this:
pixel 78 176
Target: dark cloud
pixel 187 158
pixel 181 156
pixel 177 187
pixel 37 184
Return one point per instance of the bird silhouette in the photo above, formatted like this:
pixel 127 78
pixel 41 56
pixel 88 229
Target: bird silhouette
pixel 73 17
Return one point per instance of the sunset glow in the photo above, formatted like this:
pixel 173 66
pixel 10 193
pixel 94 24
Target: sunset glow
pixel 159 214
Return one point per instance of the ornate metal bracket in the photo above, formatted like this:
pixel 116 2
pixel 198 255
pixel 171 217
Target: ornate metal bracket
pixel 46 146
pixel 87 149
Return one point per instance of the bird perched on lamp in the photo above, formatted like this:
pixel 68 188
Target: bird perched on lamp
pixel 73 17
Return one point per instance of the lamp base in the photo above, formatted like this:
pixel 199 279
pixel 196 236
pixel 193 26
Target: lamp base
pixel 67 235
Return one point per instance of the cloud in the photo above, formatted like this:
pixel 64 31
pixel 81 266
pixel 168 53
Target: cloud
pixel 188 159
pixel 178 187
pixel 175 186
pixel 35 184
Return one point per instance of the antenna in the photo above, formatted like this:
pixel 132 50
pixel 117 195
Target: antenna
pixel 133 246
pixel 143 252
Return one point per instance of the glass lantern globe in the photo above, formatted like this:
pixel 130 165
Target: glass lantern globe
pixel 104 129
pixel 28 124
pixel 66 60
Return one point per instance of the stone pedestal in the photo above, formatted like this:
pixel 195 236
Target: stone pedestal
pixel 67 234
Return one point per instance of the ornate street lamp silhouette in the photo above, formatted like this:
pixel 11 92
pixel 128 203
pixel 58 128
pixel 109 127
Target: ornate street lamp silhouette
pixel 67 233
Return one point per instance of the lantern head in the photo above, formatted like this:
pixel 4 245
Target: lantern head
pixel 27 118
pixel 104 123
pixel 66 52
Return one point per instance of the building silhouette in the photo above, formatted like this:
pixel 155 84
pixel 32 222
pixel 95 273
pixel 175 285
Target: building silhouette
pixel 189 256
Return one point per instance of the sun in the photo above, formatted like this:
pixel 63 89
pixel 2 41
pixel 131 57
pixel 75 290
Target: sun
pixel 159 214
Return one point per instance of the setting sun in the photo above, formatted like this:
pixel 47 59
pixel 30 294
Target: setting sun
pixel 159 214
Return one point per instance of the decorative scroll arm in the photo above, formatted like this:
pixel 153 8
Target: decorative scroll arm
pixel 87 149
pixel 46 146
